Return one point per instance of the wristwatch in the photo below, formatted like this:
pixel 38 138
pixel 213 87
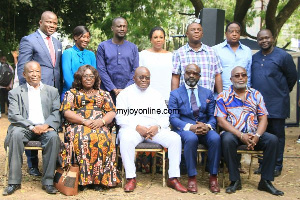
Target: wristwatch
pixel 209 126
pixel 31 127
pixel 159 127
pixel 257 135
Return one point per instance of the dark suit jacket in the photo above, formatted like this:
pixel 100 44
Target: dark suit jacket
pixel 179 100
pixel 33 47
pixel 19 108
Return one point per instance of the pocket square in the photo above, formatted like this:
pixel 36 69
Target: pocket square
pixel 58 49
pixel 207 100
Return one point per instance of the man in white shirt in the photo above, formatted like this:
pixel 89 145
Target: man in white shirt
pixel 143 116
pixel 34 115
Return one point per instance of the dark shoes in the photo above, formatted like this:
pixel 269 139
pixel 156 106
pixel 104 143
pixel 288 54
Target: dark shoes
pixel 130 185
pixel 175 184
pixel 11 188
pixel 234 185
pixel 50 189
pixel 192 185
pixel 33 171
pixel 213 184
pixel 268 187
pixel 277 173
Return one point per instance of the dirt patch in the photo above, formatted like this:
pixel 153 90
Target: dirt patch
pixel 149 187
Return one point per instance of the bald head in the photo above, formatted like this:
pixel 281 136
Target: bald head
pixel 116 19
pixel 142 77
pixel 32 73
pixel 48 23
pixel 192 75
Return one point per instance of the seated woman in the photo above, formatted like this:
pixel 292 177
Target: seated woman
pixel 76 56
pixel 88 112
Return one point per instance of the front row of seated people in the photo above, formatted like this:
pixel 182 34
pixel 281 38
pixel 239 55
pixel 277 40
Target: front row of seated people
pixel 34 113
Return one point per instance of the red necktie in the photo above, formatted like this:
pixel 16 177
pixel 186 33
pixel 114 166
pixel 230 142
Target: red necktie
pixel 51 48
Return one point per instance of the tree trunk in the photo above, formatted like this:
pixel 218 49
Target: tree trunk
pixel 198 5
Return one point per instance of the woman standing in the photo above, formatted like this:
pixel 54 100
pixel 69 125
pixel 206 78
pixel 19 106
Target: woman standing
pixel 76 56
pixel 159 62
pixel 88 112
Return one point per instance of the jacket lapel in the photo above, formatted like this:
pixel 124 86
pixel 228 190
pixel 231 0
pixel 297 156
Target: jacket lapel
pixel 202 99
pixel 55 49
pixel 43 45
pixel 185 98
pixel 24 96
pixel 44 101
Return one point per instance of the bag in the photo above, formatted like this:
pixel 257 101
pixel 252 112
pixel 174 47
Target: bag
pixel 66 180
pixel 6 75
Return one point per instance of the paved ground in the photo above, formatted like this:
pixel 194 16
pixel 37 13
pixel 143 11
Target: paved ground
pixel 151 188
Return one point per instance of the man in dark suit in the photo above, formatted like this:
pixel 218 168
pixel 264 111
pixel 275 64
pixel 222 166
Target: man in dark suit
pixel 34 114
pixel 195 123
pixel 42 47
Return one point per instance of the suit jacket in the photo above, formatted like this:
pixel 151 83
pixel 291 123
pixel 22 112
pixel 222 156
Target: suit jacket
pixel 19 108
pixel 179 100
pixel 33 47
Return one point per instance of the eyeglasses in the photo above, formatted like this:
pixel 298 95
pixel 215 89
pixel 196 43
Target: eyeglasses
pixel 147 78
pixel 243 75
pixel 192 73
pixel 88 76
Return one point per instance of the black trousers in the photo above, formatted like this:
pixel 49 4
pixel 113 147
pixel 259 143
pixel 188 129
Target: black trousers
pixel 268 143
pixel 3 99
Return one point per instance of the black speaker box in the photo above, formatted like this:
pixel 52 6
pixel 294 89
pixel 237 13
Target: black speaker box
pixel 212 21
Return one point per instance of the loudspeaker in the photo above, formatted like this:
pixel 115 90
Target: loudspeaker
pixel 212 22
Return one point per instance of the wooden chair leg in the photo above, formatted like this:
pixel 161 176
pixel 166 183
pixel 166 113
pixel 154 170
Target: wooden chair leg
pixel 204 166
pixel 6 167
pixel 123 176
pixel 250 167
pixel 154 165
pixel 164 168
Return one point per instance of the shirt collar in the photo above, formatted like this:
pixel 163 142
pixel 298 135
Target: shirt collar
pixel 188 87
pixel 43 34
pixel 30 88
pixel 202 48
pixel 232 92
pixel 76 49
pixel 225 44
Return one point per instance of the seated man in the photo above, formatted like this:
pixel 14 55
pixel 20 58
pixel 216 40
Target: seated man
pixel 143 116
pixel 195 123
pixel 241 112
pixel 34 115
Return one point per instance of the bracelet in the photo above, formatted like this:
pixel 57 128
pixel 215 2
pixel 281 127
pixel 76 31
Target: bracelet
pixel 103 121
pixel 257 135
pixel 242 135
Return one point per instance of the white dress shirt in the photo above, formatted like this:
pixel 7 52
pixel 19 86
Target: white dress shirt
pixel 44 36
pixel 35 113
pixel 141 102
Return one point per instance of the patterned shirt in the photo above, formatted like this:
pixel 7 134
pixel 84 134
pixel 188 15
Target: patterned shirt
pixel 242 115
pixel 205 58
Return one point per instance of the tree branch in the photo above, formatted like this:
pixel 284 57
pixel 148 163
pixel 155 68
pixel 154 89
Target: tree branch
pixel 270 17
pixel 286 13
pixel 240 12
pixel 198 5
pixel 250 36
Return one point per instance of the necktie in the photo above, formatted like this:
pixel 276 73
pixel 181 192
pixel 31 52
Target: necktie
pixel 194 105
pixel 51 48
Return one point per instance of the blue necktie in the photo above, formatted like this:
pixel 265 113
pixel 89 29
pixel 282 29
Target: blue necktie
pixel 194 105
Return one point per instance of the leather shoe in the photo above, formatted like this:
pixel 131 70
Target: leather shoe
pixel 175 184
pixel 234 185
pixel 257 171
pixel 192 185
pixel 277 173
pixel 50 189
pixel 130 185
pixel 11 188
pixel 33 171
pixel 213 184
pixel 267 186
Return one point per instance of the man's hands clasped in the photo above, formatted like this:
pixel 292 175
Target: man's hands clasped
pixel 147 133
pixel 199 128
pixel 250 140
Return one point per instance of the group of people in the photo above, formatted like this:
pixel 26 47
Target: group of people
pixel 159 90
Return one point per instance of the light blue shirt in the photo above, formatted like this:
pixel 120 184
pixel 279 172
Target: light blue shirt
pixel 72 59
pixel 230 59
pixel 189 92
